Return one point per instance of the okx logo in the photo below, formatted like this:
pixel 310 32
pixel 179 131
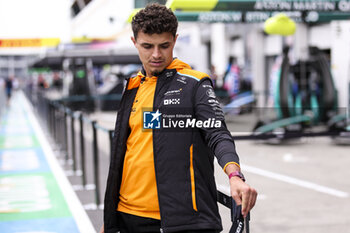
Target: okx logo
pixel 151 120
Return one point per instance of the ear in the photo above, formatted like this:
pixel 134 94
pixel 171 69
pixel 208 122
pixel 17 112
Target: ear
pixel 175 38
pixel 133 40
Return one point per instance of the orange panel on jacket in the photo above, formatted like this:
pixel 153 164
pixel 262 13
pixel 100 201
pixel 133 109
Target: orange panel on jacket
pixel 138 191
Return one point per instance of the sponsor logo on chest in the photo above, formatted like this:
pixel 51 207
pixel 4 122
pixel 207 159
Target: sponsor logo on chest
pixel 182 80
pixel 171 101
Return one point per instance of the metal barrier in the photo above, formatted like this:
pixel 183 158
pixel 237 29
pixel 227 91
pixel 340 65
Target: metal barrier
pixel 68 131
pixel 61 123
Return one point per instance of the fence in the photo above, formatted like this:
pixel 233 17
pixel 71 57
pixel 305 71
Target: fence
pixel 74 131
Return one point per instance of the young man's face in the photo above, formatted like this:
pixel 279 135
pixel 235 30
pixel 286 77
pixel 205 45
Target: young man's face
pixel 155 51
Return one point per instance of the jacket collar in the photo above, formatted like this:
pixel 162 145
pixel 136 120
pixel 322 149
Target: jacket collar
pixel 175 66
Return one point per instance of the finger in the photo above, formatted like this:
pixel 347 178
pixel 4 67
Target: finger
pixel 237 198
pixel 249 197
pixel 253 199
pixel 245 202
pixel 251 202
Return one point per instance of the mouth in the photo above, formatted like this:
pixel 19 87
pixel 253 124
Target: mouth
pixel 156 63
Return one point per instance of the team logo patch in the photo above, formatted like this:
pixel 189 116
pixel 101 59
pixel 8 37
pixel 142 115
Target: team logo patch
pixel 211 93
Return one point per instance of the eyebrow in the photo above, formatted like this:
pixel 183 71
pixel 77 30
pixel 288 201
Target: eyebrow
pixel 165 43
pixel 145 44
pixel 149 44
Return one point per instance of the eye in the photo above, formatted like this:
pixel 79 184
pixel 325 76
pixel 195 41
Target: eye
pixel 147 46
pixel 165 46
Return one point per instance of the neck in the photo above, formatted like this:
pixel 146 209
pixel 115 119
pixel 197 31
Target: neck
pixel 149 74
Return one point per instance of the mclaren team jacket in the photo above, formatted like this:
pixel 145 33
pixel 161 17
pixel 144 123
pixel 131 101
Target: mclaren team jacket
pixel 187 135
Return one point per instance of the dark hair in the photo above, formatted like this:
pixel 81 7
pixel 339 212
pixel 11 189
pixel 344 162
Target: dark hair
pixel 154 18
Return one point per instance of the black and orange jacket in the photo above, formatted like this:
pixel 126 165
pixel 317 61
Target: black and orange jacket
pixel 183 157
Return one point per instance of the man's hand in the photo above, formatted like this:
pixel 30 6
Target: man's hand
pixel 102 230
pixel 241 192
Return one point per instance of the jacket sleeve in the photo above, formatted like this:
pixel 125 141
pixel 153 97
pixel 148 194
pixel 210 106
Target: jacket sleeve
pixel 218 138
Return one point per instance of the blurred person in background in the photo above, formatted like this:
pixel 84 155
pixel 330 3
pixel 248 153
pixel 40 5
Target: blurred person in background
pixel 160 179
pixel 8 88
pixel 42 84
pixel 57 81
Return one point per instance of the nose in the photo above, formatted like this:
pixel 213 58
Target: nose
pixel 156 53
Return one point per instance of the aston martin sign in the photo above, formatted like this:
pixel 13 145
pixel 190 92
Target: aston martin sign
pixel 313 5
pixel 260 5
pixel 259 16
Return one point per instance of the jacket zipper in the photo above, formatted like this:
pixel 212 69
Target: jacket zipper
pixel 154 155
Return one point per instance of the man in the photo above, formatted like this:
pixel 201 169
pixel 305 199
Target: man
pixel 8 88
pixel 169 126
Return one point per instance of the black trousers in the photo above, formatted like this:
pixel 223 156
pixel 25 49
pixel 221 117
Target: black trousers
pixel 134 224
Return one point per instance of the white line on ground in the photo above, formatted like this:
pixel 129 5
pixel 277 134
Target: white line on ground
pixel 79 214
pixel 295 181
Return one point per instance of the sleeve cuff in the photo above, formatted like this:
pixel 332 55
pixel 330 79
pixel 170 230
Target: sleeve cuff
pixel 227 159
pixel 224 168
